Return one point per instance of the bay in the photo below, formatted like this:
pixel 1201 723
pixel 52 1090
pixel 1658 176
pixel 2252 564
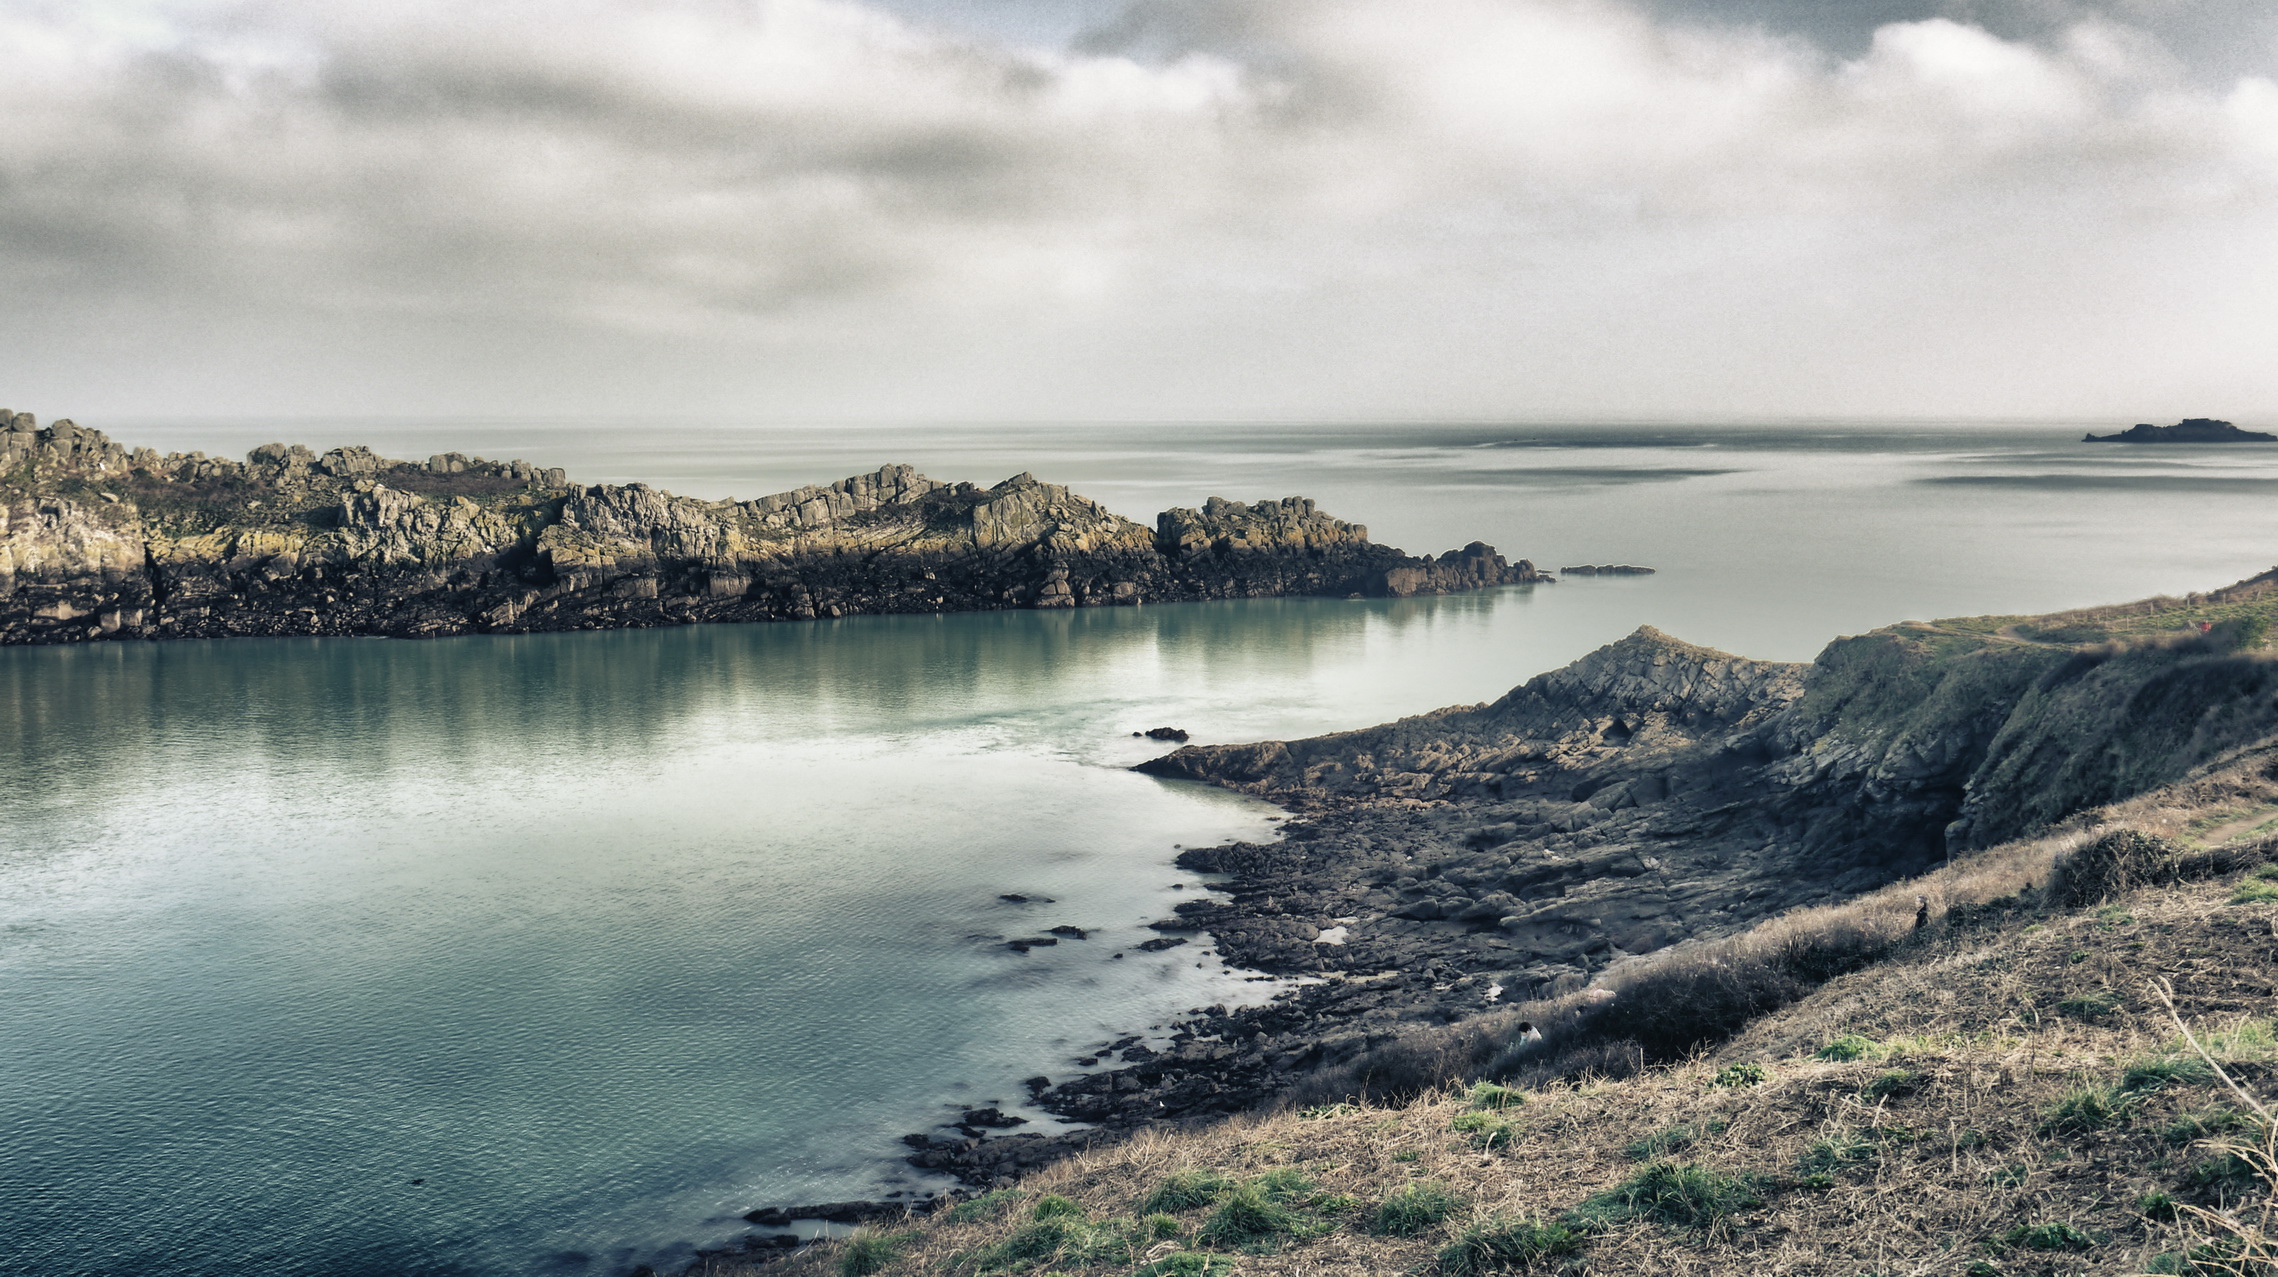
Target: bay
pixel 608 937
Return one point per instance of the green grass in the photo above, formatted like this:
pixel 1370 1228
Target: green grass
pixel 1746 1073
pixel 2157 1206
pixel 1490 1096
pixel 1503 1243
pixel 1187 1263
pixel 1487 1130
pixel 1186 1190
pixel 1662 1143
pixel 1851 1046
pixel 2160 1072
pixel 867 1251
pixel 1247 1217
pixel 1673 1193
pixel 986 1206
pixel 1054 1206
pixel 1891 1084
pixel 2189 1128
pixel 1413 1208
pixel 2255 891
pixel 2090 1006
pixel 1832 1153
pixel 2082 1109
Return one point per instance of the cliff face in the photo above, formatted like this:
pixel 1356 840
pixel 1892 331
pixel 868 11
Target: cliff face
pixel 97 541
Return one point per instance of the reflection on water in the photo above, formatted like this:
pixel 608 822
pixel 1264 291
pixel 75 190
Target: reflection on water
pixel 607 937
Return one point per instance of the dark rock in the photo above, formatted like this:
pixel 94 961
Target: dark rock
pixel 1160 943
pixel 1164 733
pixel 1026 943
pixel 992 1117
pixel 2188 430
pixel 1070 933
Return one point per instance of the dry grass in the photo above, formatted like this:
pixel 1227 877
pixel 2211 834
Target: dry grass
pixel 2006 1095
pixel 1833 1168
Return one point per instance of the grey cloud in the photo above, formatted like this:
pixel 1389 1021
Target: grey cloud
pixel 1268 205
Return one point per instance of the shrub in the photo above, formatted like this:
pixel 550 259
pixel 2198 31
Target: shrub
pixel 2080 1109
pixel 1185 1190
pixel 2056 1236
pixel 2120 861
pixel 868 1250
pixel 1488 1095
pixel 1662 1143
pixel 1673 1193
pixel 1849 1047
pixel 1746 1073
pixel 1500 1243
pixel 1187 1263
pixel 986 1206
pixel 1248 1216
pixel 1412 1208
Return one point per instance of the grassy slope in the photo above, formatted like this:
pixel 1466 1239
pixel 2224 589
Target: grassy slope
pixel 1984 1126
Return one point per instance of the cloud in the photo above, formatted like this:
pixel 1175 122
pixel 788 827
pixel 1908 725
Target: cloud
pixel 1272 207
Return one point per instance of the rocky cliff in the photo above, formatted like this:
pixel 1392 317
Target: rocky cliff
pixel 97 541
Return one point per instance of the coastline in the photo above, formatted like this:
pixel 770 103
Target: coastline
pixel 1517 859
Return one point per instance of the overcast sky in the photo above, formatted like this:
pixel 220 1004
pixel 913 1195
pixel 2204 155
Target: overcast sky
pixel 1169 209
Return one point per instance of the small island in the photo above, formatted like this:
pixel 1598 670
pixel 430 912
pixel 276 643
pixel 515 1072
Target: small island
pixel 2188 430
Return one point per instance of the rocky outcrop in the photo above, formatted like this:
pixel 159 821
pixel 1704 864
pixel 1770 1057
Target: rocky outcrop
pixel 97 541
pixel 2188 430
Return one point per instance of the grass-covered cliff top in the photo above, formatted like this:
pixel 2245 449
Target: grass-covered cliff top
pixel 1973 1073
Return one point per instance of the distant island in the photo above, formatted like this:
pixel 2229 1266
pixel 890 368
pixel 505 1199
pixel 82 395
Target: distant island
pixel 99 541
pixel 2188 430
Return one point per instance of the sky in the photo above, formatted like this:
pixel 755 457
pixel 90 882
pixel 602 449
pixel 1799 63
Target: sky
pixel 1078 210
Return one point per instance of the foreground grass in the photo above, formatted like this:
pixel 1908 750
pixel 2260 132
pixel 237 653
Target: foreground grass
pixel 2003 1094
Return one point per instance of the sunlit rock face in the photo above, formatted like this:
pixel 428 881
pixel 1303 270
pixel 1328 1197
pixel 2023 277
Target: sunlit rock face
pixel 98 541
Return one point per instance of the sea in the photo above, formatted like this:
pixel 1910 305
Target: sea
pixel 556 953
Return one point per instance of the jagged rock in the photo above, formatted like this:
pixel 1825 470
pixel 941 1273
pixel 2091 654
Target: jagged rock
pixel 289 542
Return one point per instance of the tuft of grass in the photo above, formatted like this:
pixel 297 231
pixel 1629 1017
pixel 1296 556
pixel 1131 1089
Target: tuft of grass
pixel 1849 1047
pixel 1745 1073
pixel 987 1206
pixel 2156 1205
pixel 1674 1193
pixel 1158 1227
pixel 1248 1217
pixel 1412 1208
pixel 1891 1084
pixel 2090 1007
pixel 2255 891
pixel 2226 1177
pixel 2246 1041
pixel 1832 1153
pixel 1185 1190
pixel 1284 1184
pixel 2081 1109
pixel 1491 1096
pixel 1187 1263
pixel 2059 1235
pixel 2159 1072
pixel 1504 1243
pixel 867 1250
pixel 1662 1143
pixel 1487 1130
pixel 1054 1206
pixel 2190 1128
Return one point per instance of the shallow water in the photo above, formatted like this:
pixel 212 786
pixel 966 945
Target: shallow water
pixel 608 937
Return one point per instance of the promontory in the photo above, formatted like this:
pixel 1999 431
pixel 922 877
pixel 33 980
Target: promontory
pixel 98 541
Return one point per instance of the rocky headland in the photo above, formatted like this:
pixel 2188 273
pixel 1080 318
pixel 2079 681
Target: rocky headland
pixel 2188 430
pixel 1517 858
pixel 99 541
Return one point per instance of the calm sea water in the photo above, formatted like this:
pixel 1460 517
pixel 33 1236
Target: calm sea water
pixel 608 937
